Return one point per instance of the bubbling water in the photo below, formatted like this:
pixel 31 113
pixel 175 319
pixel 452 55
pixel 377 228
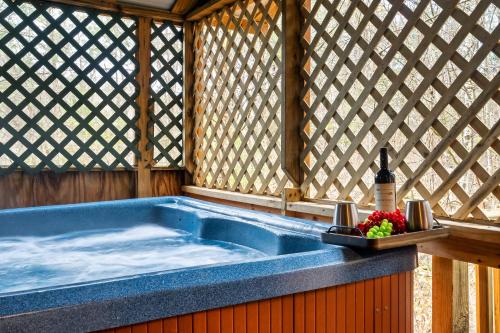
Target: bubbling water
pixel 37 262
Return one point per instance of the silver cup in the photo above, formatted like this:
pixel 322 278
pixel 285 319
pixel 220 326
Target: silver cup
pixel 418 215
pixel 345 215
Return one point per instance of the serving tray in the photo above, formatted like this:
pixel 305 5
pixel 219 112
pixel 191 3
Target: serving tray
pixel 406 239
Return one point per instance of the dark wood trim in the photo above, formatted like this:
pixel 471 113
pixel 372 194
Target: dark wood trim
pixel 291 83
pixel 483 305
pixel 188 97
pixel 126 9
pixel 207 9
pixel 143 77
pixel 181 7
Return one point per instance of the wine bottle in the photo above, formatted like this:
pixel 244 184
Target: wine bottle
pixel 385 185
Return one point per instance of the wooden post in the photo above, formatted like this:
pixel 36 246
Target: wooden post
pixel 484 309
pixel 450 310
pixel 188 99
pixel 143 78
pixel 289 195
pixel 291 112
pixel 442 294
pixel 496 298
pixel 460 297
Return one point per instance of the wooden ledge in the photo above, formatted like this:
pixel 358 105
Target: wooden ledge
pixel 250 199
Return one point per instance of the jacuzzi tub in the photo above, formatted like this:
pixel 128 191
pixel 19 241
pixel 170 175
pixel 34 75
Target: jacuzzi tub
pixel 94 266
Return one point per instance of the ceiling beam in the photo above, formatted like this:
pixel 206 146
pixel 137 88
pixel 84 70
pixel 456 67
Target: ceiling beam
pixel 207 9
pixel 182 7
pixel 126 9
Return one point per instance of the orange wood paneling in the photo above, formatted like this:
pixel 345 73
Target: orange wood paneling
pixel 320 311
pixel 253 317
pixel 185 324
pixel 402 302
pixel 386 304
pixel 376 305
pixel 299 313
pixel 226 320
pixel 140 328
pixel 265 316
pixel 213 321
pixel 155 326
pixel 127 329
pixel 287 313
pixel 360 307
pixel 350 308
pixel 369 306
pixel 394 307
pixel 277 320
pixel 341 309
pixel 170 325
pixel 331 309
pixel 310 312
pixel 240 318
pixel 200 322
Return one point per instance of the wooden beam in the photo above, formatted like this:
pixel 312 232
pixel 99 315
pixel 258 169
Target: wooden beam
pixel 207 9
pixel 291 111
pixel 252 199
pixel 496 298
pixel 484 309
pixel 126 9
pixel 289 195
pixel 181 7
pixel 442 294
pixel 144 164
pixel 460 296
pixel 450 296
pixel 464 249
pixel 188 97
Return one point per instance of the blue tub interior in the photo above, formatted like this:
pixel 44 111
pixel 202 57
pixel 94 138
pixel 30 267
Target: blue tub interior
pixel 53 246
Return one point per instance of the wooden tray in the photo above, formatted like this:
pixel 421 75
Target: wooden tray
pixel 406 239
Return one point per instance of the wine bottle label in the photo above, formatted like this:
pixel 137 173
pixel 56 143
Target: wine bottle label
pixel 385 197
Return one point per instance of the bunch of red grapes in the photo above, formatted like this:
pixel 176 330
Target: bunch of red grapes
pixel 397 219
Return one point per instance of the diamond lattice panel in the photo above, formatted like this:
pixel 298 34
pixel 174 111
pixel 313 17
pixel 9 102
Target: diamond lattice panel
pixel 67 88
pixel 166 94
pixel 238 99
pixel 420 77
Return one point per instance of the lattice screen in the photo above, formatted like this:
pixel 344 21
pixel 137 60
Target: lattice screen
pixel 67 88
pixel 166 94
pixel 420 77
pixel 238 98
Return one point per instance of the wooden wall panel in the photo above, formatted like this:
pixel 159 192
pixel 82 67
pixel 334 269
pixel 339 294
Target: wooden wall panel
pixel 340 309
pixel 167 182
pixel 48 188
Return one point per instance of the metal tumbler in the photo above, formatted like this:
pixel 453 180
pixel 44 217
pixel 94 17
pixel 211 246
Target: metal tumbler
pixel 345 215
pixel 418 215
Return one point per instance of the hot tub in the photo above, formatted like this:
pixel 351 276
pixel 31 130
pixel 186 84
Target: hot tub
pixel 90 267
